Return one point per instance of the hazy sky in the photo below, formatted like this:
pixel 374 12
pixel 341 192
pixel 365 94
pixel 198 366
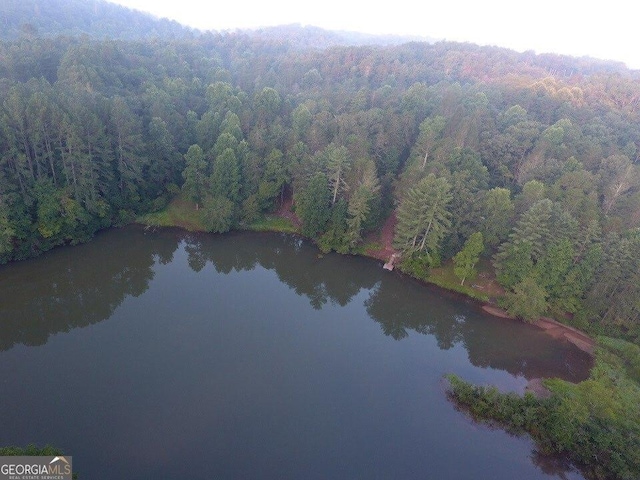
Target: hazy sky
pixel 601 29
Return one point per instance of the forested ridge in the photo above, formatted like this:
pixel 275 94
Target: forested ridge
pixel 97 18
pixel 530 162
pixel 537 155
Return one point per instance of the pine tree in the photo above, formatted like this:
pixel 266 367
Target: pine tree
pixel 513 263
pixel 225 176
pixel 218 214
pixel 526 244
pixel 498 211
pixel 423 218
pixel 195 174
pixel 338 164
pixel 273 180
pixel 129 150
pixel 527 301
pixel 335 237
pixel 553 267
pixel 430 130
pixel 313 205
pixel 362 196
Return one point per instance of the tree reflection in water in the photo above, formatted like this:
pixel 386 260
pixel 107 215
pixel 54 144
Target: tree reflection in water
pixel 77 286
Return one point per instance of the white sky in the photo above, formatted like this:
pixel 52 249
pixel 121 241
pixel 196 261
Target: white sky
pixel 597 28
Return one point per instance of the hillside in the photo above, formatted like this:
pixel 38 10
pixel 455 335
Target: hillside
pixel 303 37
pixel 526 164
pixel 97 18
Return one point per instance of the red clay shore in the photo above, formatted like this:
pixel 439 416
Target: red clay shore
pixel 554 328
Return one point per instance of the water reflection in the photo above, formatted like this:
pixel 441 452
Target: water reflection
pixel 74 287
pixel 320 278
pixel 213 363
pixel 77 286
pixel 403 305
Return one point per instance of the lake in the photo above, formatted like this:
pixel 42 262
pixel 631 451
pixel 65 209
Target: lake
pixel 161 355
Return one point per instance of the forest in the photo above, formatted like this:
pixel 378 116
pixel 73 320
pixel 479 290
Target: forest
pixel 528 162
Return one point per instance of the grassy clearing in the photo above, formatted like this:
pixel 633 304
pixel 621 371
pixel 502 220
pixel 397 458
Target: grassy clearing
pixel 182 213
pixel 444 277
pixel 365 248
pixel 272 224
pixel 179 213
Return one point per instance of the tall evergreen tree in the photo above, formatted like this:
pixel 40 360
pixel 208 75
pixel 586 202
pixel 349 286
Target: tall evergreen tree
pixel 273 180
pixel 498 211
pixel 225 176
pixel 423 218
pixel 195 174
pixel 129 150
pixel 338 163
pixel 313 205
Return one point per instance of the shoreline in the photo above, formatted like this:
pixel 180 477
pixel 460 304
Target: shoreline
pixel 555 329
pixel 552 327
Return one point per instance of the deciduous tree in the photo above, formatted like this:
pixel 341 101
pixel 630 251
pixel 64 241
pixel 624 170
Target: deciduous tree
pixel 465 260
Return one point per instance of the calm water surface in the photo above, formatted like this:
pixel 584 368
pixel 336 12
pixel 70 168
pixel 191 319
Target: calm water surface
pixel 169 355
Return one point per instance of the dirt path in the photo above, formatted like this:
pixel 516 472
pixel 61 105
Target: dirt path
pixel 384 239
pixel 285 211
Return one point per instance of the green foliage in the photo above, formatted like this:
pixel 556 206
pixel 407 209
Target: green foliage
pixel 430 131
pixel 498 211
pixel 614 295
pixel 313 206
pixel 528 300
pixel 217 214
pixel 532 192
pixel 526 244
pixel 553 267
pixel 468 178
pixel 336 237
pixel 225 177
pixel 365 189
pixel 195 174
pixel 7 234
pixel 423 218
pixel 358 211
pixel 534 227
pixel 513 263
pixel 568 294
pixel 417 264
pixel 596 422
pixel 95 133
pixel 444 277
pixel 466 259
pixel 179 213
pixel 30 450
pixel 518 414
pixel 273 181
pixel 272 224
pixel 338 164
